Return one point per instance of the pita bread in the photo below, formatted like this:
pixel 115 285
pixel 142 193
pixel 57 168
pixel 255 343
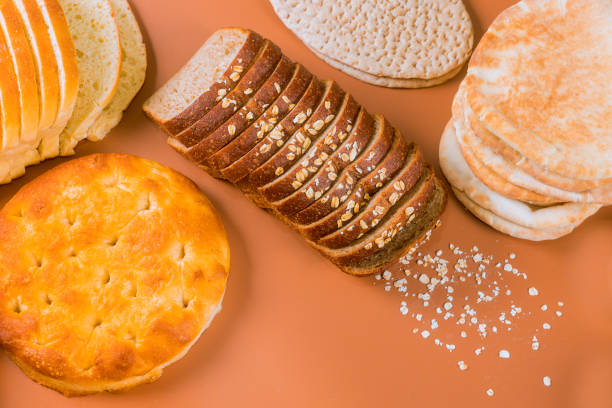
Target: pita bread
pixel 399 43
pixel 461 177
pixel 507 227
pixel 541 80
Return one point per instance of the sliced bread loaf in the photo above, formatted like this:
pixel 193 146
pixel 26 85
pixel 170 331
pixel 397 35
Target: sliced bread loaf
pixel 133 70
pixel 304 168
pixel 214 70
pixel 47 73
pixel 10 103
pixel 68 72
pixel 278 135
pixel 255 133
pixel 302 139
pixel 247 115
pixel 255 77
pixel 96 39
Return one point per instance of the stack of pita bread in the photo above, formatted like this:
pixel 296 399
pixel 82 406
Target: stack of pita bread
pixel 68 70
pixel 529 146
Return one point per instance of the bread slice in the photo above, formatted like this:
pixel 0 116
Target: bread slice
pixel 133 71
pixel 277 111
pixel 402 213
pixel 10 103
pixel 214 70
pixel 96 39
pixel 302 139
pixel 357 220
pixel 68 73
pixel 278 135
pixel 401 155
pixel 304 168
pixel 46 69
pixel 25 71
pixel 334 194
pixel 261 70
pixel 400 234
pixel 248 114
pixel 362 137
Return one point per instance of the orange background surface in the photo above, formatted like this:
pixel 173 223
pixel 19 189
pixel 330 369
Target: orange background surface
pixel 295 331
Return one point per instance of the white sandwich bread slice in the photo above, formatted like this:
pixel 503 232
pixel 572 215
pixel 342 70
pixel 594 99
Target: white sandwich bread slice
pixel 67 70
pixel 133 70
pixel 96 39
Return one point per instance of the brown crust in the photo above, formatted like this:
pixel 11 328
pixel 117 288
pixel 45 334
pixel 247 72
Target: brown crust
pixel 375 240
pixel 103 239
pixel 247 115
pixel 302 139
pixel 318 154
pixel 361 222
pixel 274 140
pixel 242 144
pixel 205 102
pixel 400 154
pixel 336 193
pixel 228 104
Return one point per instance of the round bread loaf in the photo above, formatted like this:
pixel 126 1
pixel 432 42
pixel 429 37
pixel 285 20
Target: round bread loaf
pixel 392 43
pixel 111 266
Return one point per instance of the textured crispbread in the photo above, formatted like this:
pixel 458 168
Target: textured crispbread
pixel 248 114
pixel 96 39
pixel 130 262
pixel 256 131
pixel 253 79
pixel 507 227
pixel 214 69
pixel 389 38
pixel 68 71
pixel 490 178
pixel 461 177
pixel 133 70
pixel 522 84
pixel 47 74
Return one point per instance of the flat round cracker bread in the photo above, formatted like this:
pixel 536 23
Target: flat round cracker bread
pixel 541 81
pixel 394 43
pixel 461 177
pixel 111 267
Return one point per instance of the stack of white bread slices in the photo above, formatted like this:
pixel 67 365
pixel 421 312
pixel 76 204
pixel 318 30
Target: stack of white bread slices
pixel 300 148
pixel 529 146
pixel 68 70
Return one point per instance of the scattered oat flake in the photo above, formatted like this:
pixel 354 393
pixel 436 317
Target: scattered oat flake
pixel 546 381
pixel 504 354
pixel 462 365
pixel 533 291
pixel 425 334
pixel 490 392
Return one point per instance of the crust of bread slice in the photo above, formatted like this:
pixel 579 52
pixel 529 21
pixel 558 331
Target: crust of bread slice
pixel 96 39
pixel 304 168
pixel 247 115
pixel 196 87
pixel 67 69
pixel 362 137
pixel 47 73
pixel 278 135
pixel 132 75
pixel 256 76
pixel 393 162
pixel 277 110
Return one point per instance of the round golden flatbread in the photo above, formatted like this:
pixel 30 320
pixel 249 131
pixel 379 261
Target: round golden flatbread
pixel 111 267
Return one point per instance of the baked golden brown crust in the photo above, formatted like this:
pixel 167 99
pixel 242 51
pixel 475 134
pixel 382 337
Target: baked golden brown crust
pixel 111 266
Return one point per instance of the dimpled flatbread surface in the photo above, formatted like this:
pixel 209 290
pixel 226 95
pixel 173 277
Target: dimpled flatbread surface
pixel 384 41
pixel 540 80
pixel 111 266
